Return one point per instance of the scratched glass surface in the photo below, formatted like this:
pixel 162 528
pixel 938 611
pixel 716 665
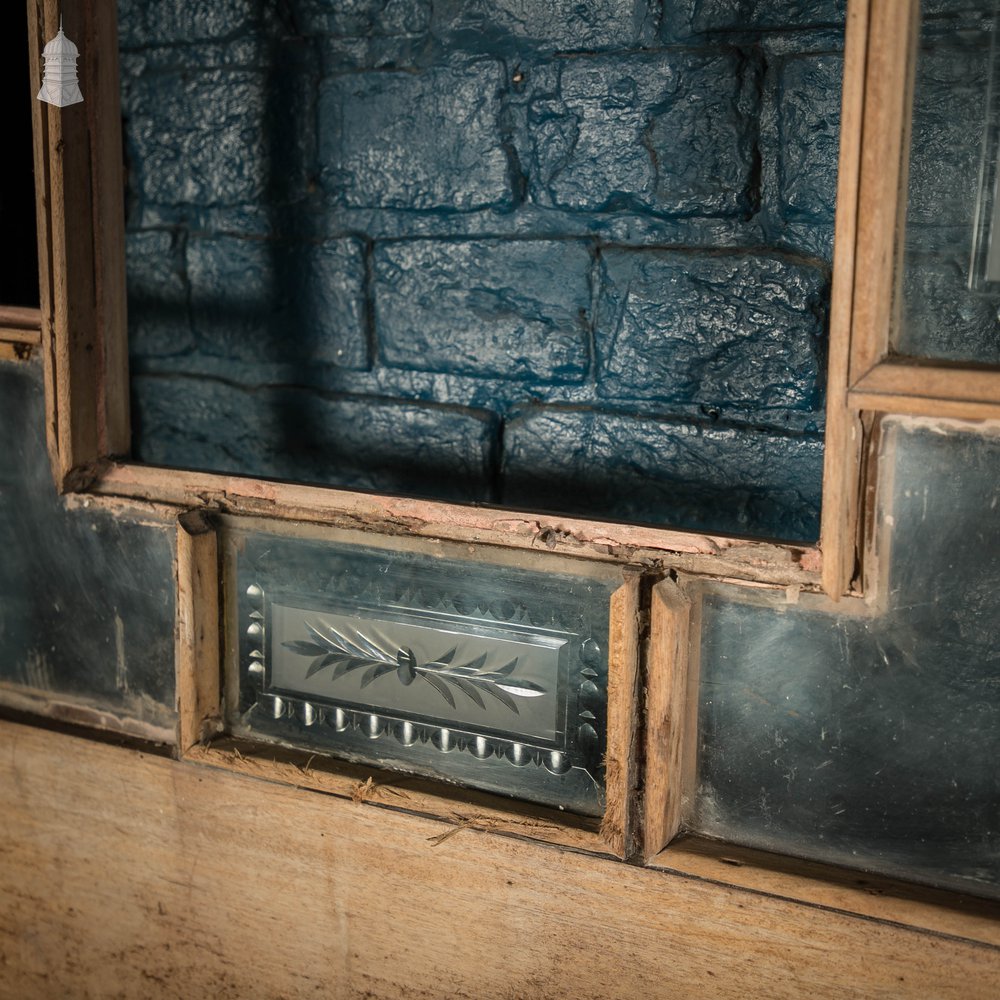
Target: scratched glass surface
pixel 474 671
pixel 86 598
pixel 951 266
pixel 870 736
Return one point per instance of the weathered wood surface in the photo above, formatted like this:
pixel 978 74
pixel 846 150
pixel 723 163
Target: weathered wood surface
pixel 124 875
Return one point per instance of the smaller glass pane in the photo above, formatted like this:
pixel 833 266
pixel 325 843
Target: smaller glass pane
pixel 475 669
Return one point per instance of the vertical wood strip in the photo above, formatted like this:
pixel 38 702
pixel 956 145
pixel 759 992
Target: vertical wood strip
pixel 38 16
pixel 198 645
pixel 79 192
pixel 841 463
pixel 618 827
pixel 668 726
pixel 881 192
pixel 102 101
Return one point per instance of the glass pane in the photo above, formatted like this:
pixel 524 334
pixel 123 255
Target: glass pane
pixel 86 598
pixel 951 266
pixel 870 736
pixel 556 256
pixel 476 671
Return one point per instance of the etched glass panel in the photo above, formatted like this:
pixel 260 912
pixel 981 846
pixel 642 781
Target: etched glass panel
pixel 869 736
pixel 479 671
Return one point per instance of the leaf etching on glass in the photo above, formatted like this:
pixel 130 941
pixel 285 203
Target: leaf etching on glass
pixel 346 650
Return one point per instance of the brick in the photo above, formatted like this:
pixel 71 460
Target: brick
pixel 510 309
pixel 949 114
pixel 942 319
pixel 197 138
pixel 362 18
pixel 683 18
pixel 723 330
pixel 554 24
pixel 809 136
pixel 348 441
pixel 667 133
pixel 267 300
pixel 159 324
pixel 732 480
pixel 142 24
pixel 422 140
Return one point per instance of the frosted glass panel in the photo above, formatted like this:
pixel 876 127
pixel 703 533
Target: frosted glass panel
pixel 870 736
pixel 477 670
pixel 86 598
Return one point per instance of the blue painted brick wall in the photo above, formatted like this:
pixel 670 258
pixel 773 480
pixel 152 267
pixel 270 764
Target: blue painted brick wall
pixel 558 255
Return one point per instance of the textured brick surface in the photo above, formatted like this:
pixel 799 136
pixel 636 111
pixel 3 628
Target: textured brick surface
pixel 419 141
pixel 158 316
pixel 509 309
pixel 683 17
pixel 353 442
pixel 617 210
pixel 197 137
pixel 809 136
pixel 730 330
pixel 260 300
pixel 669 133
pixel 709 479
pixel 165 23
pixel 362 18
pixel 567 25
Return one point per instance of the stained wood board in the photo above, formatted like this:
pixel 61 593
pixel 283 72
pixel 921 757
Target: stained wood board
pixel 127 875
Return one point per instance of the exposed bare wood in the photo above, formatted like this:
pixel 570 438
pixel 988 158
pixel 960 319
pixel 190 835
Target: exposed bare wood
pixel 101 83
pixel 37 20
pixel 619 825
pixel 735 558
pixel 81 245
pixel 198 657
pixel 462 808
pixel 919 389
pixel 15 352
pixel 131 875
pixel 882 182
pixel 20 325
pixel 837 888
pixel 668 719
pixel 841 457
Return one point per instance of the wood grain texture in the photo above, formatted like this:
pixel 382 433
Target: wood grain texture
pixel 619 824
pixel 841 465
pixel 719 556
pixel 463 809
pixel 837 888
pixel 924 389
pixel 125 875
pixel 20 325
pixel 79 194
pixel 198 644
pixel 890 57
pixel 671 724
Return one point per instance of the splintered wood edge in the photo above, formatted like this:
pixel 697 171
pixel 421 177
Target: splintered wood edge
pixel 668 718
pixel 198 647
pixel 618 828
pixel 467 810
pixel 841 458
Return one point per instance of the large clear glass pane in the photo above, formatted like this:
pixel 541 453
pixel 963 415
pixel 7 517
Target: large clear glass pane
pixel 869 736
pixel 86 597
pixel 951 263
